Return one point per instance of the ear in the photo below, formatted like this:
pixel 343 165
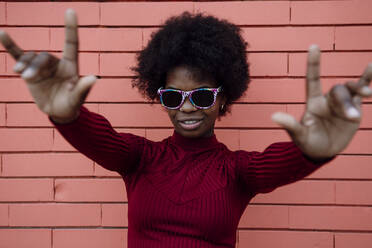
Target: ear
pixel 223 100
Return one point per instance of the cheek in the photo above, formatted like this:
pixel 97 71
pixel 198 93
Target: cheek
pixel 212 113
pixel 172 114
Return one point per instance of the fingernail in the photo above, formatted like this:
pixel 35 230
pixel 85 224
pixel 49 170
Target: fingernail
pixel 353 113
pixel 28 73
pixel 19 66
pixel 366 91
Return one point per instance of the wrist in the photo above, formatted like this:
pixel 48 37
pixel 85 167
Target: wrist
pixel 59 120
pixel 318 159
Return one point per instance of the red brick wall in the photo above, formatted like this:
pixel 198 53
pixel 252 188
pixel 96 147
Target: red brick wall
pixel 53 197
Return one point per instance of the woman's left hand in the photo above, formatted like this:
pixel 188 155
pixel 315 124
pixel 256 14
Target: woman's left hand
pixel 330 121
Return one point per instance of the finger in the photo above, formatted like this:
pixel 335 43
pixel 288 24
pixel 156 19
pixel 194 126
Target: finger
pixel 357 101
pixel 365 80
pixel 70 51
pixel 341 102
pixel 313 88
pixel 43 65
pixel 289 123
pixel 82 88
pixel 23 62
pixel 10 45
pixel 355 89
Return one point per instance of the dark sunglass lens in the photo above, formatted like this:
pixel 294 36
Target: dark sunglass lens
pixel 203 98
pixel 171 99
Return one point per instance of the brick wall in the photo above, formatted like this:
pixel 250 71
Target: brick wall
pixel 53 197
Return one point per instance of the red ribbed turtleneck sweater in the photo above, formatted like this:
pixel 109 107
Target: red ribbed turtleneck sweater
pixel 184 192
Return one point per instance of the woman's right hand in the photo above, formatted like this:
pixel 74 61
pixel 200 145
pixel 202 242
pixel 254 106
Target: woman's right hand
pixel 54 83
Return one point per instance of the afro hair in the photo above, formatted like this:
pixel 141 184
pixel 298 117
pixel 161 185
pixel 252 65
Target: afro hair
pixel 208 46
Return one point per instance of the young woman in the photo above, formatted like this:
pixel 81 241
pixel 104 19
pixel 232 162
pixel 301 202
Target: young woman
pixel 189 190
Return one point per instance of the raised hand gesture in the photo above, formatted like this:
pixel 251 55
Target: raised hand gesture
pixel 330 120
pixel 54 83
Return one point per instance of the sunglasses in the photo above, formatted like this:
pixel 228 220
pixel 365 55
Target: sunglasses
pixel 202 98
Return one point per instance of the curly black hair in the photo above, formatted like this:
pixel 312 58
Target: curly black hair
pixel 209 46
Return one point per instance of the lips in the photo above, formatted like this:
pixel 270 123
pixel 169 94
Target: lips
pixel 190 124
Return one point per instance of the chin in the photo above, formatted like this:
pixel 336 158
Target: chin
pixel 193 133
pixel 189 134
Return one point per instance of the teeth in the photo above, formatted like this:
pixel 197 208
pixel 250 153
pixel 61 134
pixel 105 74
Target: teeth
pixel 190 122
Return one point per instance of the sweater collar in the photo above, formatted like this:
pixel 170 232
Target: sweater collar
pixel 194 143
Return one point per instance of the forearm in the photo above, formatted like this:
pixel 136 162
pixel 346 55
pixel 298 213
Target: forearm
pixel 280 164
pixel 92 135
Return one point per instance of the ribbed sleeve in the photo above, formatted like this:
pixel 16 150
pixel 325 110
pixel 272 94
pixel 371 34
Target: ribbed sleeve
pixel 92 135
pixel 279 164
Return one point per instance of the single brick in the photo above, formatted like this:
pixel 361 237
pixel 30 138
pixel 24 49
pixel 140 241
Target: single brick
pixel 55 214
pixel 346 167
pixel 20 190
pixel 114 90
pixel 331 12
pixel 346 240
pixel 291 38
pixel 120 39
pixel 353 38
pixel 361 143
pixel 250 115
pixel 302 192
pixel 260 216
pixel 284 239
pixel 46 165
pixel 330 218
pixel 274 90
pixel 26 115
pixel 14 90
pixel 50 13
pixel 141 13
pixel 25 238
pixel 115 215
pixel 101 39
pixel 268 64
pixel 116 64
pixel 92 238
pixel 354 192
pixel 258 140
pixel 25 139
pixel 90 190
pixel 248 12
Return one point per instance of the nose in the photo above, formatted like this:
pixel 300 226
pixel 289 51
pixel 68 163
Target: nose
pixel 187 106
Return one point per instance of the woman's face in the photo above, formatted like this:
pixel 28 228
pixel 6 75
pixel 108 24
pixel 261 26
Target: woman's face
pixel 188 120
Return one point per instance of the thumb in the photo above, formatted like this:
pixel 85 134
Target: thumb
pixel 288 122
pixel 82 88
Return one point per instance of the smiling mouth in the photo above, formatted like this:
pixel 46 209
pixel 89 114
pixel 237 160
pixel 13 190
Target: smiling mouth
pixel 190 124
